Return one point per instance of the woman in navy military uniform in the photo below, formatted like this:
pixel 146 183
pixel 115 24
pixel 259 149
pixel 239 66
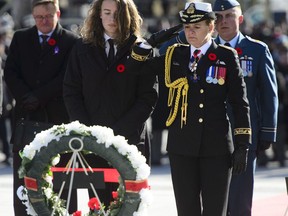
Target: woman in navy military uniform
pixel 201 77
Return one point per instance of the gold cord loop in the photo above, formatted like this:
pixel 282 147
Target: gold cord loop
pixel 181 85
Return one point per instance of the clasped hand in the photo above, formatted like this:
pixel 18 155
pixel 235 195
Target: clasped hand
pixel 30 102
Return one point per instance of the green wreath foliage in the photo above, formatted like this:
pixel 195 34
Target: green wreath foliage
pixel 40 163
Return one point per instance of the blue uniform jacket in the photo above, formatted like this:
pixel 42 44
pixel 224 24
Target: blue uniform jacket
pixel 260 78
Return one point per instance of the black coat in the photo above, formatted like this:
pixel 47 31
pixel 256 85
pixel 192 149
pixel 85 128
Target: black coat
pixel 96 94
pixel 30 69
pixel 207 131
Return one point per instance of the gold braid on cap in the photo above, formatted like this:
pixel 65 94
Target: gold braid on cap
pixel 181 85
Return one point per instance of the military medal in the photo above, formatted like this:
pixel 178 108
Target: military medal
pixel 214 80
pixel 221 75
pixel 209 73
pixel 246 66
pixel 194 61
pixel 195 77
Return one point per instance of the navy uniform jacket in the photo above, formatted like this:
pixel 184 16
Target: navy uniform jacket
pixel 30 69
pixel 261 87
pixel 207 130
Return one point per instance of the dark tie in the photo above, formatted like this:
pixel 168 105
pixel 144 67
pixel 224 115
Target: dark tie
pixel 111 52
pixel 196 55
pixel 44 40
pixel 227 44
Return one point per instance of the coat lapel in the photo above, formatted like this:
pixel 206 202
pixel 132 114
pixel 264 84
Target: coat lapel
pixel 51 48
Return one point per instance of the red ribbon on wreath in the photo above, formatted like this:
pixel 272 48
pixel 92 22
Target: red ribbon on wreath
pixel 136 186
pixel 30 183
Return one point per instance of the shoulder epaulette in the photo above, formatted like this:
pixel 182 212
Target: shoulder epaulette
pixel 255 40
pixel 225 47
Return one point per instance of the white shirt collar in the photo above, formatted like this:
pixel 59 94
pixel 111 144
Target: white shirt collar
pixel 49 34
pixel 203 48
pixel 232 42
pixel 106 37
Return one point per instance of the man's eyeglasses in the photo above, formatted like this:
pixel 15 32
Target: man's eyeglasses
pixel 41 18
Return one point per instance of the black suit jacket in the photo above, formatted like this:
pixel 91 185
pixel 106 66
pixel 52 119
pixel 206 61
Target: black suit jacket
pixel 96 93
pixel 40 71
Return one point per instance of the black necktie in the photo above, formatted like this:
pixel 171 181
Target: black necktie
pixel 111 52
pixel 227 44
pixel 44 40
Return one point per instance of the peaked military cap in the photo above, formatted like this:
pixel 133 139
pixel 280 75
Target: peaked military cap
pixel 221 5
pixel 195 12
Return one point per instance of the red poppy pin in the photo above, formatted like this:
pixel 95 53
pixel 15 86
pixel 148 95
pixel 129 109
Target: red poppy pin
pixel 52 42
pixel 120 68
pixel 212 56
pixel 239 50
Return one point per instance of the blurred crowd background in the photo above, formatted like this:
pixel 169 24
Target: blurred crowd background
pixel 265 20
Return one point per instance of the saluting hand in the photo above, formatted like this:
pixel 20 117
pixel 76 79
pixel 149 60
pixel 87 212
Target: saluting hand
pixel 163 35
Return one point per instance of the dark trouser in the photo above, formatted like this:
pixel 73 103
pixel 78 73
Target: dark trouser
pixel 241 189
pixel 156 146
pixel 19 208
pixel 4 138
pixel 200 184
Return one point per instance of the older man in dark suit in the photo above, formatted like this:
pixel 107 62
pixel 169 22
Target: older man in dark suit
pixel 34 73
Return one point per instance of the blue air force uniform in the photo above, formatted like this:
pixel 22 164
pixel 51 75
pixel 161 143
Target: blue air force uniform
pixel 260 78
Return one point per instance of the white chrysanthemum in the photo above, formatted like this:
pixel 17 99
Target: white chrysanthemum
pixel 75 126
pixel 22 193
pixel 101 133
pixel 121 145
pixel 49 179
pixel 29 152
pixel 23 196
pixel 48 192
pixel 146 200
pixel 143 171
pixel 56 160
pixel 29 209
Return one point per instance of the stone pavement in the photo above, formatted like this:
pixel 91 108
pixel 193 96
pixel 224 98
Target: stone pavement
pixel 270 196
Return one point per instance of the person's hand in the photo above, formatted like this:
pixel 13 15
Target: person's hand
pixel 263 145
pixel 163 35
pixel 239 159
pixel 30 102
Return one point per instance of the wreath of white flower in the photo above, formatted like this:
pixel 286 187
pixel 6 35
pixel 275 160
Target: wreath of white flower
pixel 44 151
